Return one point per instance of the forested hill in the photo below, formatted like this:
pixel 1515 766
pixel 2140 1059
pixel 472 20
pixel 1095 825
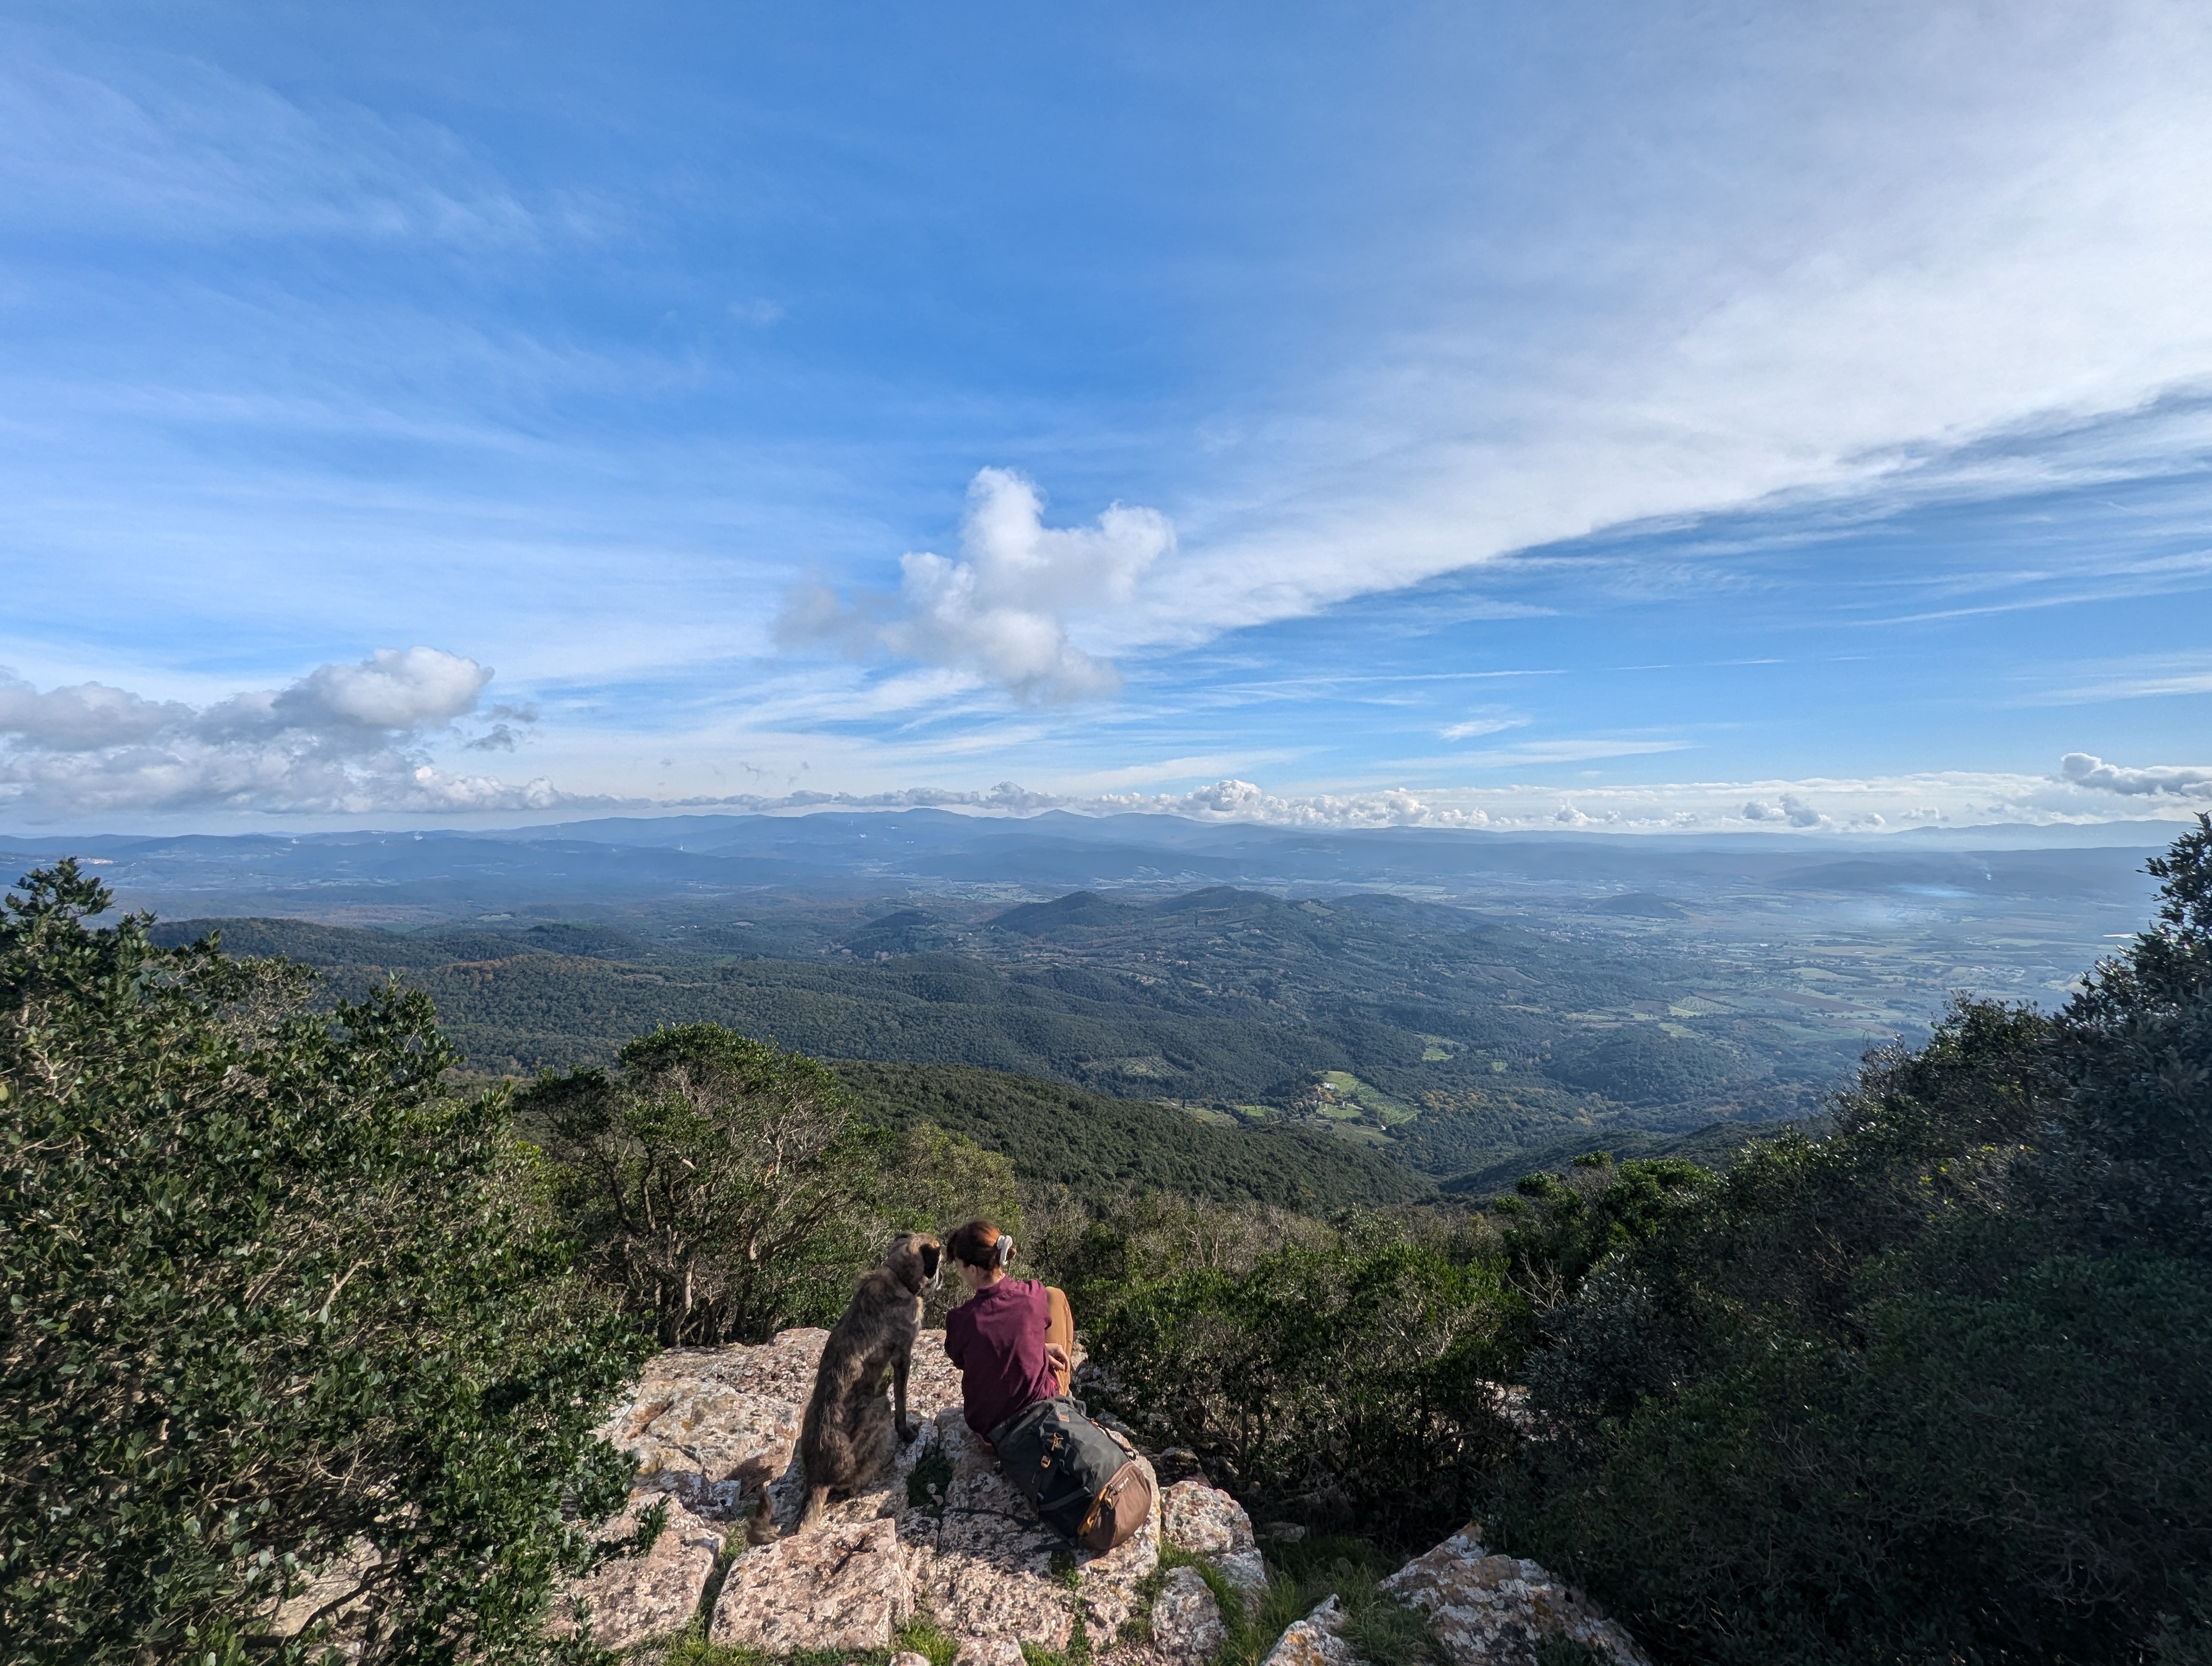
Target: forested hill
pixel 1104 1151
pixel 1434 1035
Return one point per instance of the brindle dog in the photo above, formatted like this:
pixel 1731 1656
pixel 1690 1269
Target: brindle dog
pixel 844 1425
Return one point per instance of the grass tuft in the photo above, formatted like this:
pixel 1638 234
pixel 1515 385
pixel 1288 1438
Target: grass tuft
pixel 928 1481
pixel 1560 1649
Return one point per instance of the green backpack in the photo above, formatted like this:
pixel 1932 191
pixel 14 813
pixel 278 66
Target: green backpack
pixel 1084 1484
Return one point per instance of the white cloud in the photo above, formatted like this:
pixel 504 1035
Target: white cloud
pixel 1000 611
pixel 2160 781
pixel 392 688
pixel 1885 252
pixel 1793 810
pixel 174 147
pixel 343 740
pixel 91 714
pixel 1487 720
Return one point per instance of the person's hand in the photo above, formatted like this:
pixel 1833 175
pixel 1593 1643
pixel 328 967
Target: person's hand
pixel 1056 1357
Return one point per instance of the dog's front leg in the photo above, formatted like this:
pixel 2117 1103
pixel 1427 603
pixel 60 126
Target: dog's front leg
pixel 908 1429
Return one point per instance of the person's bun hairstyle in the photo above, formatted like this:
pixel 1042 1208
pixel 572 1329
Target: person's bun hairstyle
pixel 981 1244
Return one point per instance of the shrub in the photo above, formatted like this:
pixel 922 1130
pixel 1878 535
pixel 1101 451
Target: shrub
pixel 2016 1475
pixel 2131 1155
pixel 1932 1388
pixel 1354 1379
pixel 269 1294
pixel 1554 1229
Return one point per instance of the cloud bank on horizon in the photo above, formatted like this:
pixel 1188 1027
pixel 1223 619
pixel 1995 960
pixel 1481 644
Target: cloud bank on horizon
pixel 352 740
pixel 1632 416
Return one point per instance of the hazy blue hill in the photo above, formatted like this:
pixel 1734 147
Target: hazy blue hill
pixel 907 932
pixel 1083 910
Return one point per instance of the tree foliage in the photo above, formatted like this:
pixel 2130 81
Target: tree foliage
pixel 723 1189
pixel 269 1294
pixel 1933 1388
pixel 1350 1375
pixel 2132 1152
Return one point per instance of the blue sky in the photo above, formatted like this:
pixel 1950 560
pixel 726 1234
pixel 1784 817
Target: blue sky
pixel 1789 418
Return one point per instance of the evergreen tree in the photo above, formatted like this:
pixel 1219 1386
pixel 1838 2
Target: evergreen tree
pixel 272 1298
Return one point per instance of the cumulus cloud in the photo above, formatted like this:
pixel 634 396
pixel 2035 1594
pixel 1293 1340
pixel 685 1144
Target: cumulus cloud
pixel 2159 780
pixel 1242 801
pixel 344 738
pixel 1679 808
pixel 1000 611
pixel 1792 810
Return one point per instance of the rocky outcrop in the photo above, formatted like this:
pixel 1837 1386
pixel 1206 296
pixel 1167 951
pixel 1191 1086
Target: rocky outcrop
pixel 1315 1641
pixel 939 1533
pixel 632 1599
pixel 1206 1522
pixel 841 1586
pixel 1187 1625
pixel 715 1426
pixel 1499 1608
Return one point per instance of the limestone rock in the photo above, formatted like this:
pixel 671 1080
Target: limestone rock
pixel 710 1426
pixel 837 1587
pixel 1314 1640
pixel 909 1657
pixel 716 1428
pixel 1206 1522
pixel 1498 1609
pixel 635 1598
pixel 989 1652
pixel 1187 1625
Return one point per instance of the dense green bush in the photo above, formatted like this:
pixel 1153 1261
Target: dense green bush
pixel 2131 1151
pixel 1933 1388
pixel 1557 1227
pixel 269 1294
pixel 1348 1376
pixel 722 1188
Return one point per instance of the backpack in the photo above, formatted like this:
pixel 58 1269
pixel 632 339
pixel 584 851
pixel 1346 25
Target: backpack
pixel 1085 1486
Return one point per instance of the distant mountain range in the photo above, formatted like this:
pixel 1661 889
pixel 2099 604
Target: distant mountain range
pixel 1443 1000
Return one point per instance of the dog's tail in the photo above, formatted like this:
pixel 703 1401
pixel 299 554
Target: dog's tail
pixel 818 1500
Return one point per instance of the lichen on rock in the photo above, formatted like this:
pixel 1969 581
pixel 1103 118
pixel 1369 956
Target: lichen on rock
pixel 1316 1640
pixel 1206 1522
pixel 840 1586
pixel 1187 1625
pixel 1501 1609
pixel 632 1599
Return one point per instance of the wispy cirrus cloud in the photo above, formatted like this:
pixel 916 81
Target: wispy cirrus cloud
pixel 1489 719
pixel 177 149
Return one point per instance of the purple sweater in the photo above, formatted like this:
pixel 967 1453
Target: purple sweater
pixel 996 1339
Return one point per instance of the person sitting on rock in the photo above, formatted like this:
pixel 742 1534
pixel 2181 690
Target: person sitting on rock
pixel 1013 1341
